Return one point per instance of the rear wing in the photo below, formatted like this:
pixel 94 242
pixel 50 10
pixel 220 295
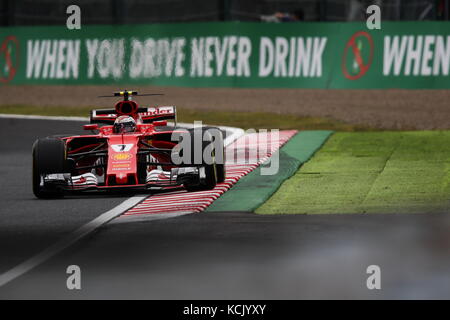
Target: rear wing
pixel 158 113
pixel 148 115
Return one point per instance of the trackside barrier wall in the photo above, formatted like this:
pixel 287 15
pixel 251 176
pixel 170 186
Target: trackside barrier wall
pixel 231 54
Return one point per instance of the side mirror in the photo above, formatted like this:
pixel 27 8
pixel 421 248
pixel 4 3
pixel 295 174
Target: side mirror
pixel 90 127
pixel 159 123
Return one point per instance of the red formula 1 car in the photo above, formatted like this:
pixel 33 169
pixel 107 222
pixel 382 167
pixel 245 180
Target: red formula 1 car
pixel 134 149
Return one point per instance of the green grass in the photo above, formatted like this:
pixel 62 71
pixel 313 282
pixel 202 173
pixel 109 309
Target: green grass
pixel 245 120
pixel 371 172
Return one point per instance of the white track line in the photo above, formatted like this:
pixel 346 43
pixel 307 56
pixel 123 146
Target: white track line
pixel 235 132
pixel 33 117
pixel 68 241
pixel 104 218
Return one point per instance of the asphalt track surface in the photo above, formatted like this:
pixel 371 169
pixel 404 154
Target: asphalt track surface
pixel 223 255
pixel 29 225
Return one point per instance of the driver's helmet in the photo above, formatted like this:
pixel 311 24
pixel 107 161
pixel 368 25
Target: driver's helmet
pixel 124 124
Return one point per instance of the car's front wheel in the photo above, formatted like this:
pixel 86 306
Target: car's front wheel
pixel 209 165
pixel 49 156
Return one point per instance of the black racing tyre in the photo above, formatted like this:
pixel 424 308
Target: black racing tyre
pixel 220 161
pixel 210 169
pixel 142 169
pixel 220 172
pixel 49 156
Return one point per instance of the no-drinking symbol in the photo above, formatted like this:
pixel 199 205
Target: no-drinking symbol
pixel 358 55
pixel 9 58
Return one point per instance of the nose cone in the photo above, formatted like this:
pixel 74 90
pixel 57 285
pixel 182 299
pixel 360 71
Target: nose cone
pixel 121 178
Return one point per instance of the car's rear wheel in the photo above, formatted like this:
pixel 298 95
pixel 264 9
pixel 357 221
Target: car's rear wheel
pixel 49 156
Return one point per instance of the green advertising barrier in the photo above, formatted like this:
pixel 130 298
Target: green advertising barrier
pixel 231 54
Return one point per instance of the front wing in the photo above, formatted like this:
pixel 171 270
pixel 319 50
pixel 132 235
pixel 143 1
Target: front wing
pixel 155 180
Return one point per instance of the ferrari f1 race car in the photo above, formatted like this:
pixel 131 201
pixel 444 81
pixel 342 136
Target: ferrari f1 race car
pixel 134 149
